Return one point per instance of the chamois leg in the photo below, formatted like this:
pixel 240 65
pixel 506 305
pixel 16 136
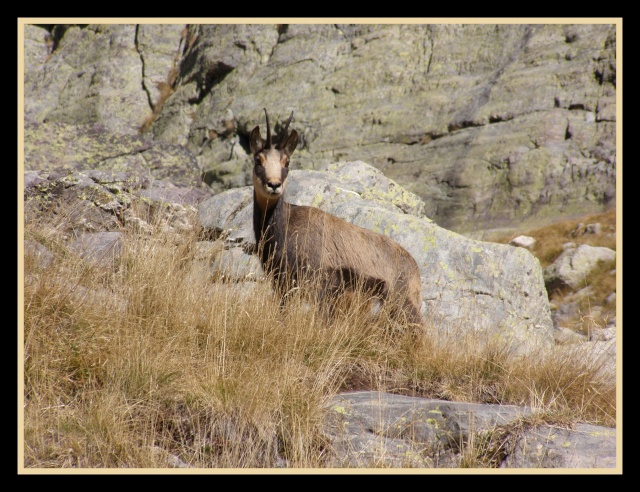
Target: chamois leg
pixel 412 313
pixel 339 282
pixel 405 315
pixel 332 286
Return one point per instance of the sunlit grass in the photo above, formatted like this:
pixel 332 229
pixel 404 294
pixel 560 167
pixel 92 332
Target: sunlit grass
pixel 152 361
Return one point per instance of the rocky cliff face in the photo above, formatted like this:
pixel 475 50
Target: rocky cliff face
pixel 493 126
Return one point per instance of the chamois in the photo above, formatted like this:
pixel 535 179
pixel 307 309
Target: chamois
pixel 299 244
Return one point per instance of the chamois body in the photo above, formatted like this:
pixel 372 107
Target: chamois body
pixel 302 245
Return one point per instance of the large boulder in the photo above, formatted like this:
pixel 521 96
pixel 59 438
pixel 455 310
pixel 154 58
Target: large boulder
pixel 466 284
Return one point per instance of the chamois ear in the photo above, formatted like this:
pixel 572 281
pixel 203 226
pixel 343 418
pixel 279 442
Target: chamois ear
pixel 291 143
pixel 256 142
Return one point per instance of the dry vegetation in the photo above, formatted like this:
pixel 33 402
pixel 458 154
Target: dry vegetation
pixel 549 239
pixel 594 311
pixel 148 362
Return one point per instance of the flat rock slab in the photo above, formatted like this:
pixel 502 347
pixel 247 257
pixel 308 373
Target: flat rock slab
pixel 373 429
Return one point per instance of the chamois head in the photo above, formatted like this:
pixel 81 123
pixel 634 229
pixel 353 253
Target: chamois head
pixel 271 164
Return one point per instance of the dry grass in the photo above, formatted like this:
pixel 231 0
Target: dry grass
pixel 549 239
pixel 594 311
pixel 149 362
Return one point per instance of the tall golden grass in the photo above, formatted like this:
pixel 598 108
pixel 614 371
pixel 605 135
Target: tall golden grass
pixel 151 361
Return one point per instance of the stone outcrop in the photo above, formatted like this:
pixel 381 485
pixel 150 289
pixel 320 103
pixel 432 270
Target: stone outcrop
pixel 493 126
pixel 98 203
pixel 64 148
pixel 106 74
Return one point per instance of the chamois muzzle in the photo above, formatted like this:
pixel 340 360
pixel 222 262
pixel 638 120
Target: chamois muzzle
pixel 275 188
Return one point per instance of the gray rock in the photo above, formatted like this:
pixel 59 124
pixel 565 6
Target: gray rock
pixel 565 336
pixel 523 241
pixel 585 446
pixel 105 74
pixel 604 334
pixel 99 248
pixel 490 158
pixel 80 202
pixel 493 126
pixel 159 46
pixel 230 215
pixel 573 265
pixel 63 148
pixel 164 191
pixel 167 459
pixel 234 264
pixel 107 200
pixel 372 429
pixel 593 228
pixel 88 85
pixel 42 255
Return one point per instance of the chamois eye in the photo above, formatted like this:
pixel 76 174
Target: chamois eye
pixel 257 160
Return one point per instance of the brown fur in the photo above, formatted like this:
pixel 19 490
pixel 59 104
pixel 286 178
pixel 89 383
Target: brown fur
pixel 300 245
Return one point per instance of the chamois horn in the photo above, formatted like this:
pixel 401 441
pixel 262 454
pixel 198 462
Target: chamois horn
pixel 268 145
pixel 283 135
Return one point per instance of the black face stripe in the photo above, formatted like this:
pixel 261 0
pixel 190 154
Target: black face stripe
pixel 260 171
pixel 284 173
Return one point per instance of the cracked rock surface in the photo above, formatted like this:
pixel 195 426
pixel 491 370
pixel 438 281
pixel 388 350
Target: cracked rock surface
pixel 492 126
